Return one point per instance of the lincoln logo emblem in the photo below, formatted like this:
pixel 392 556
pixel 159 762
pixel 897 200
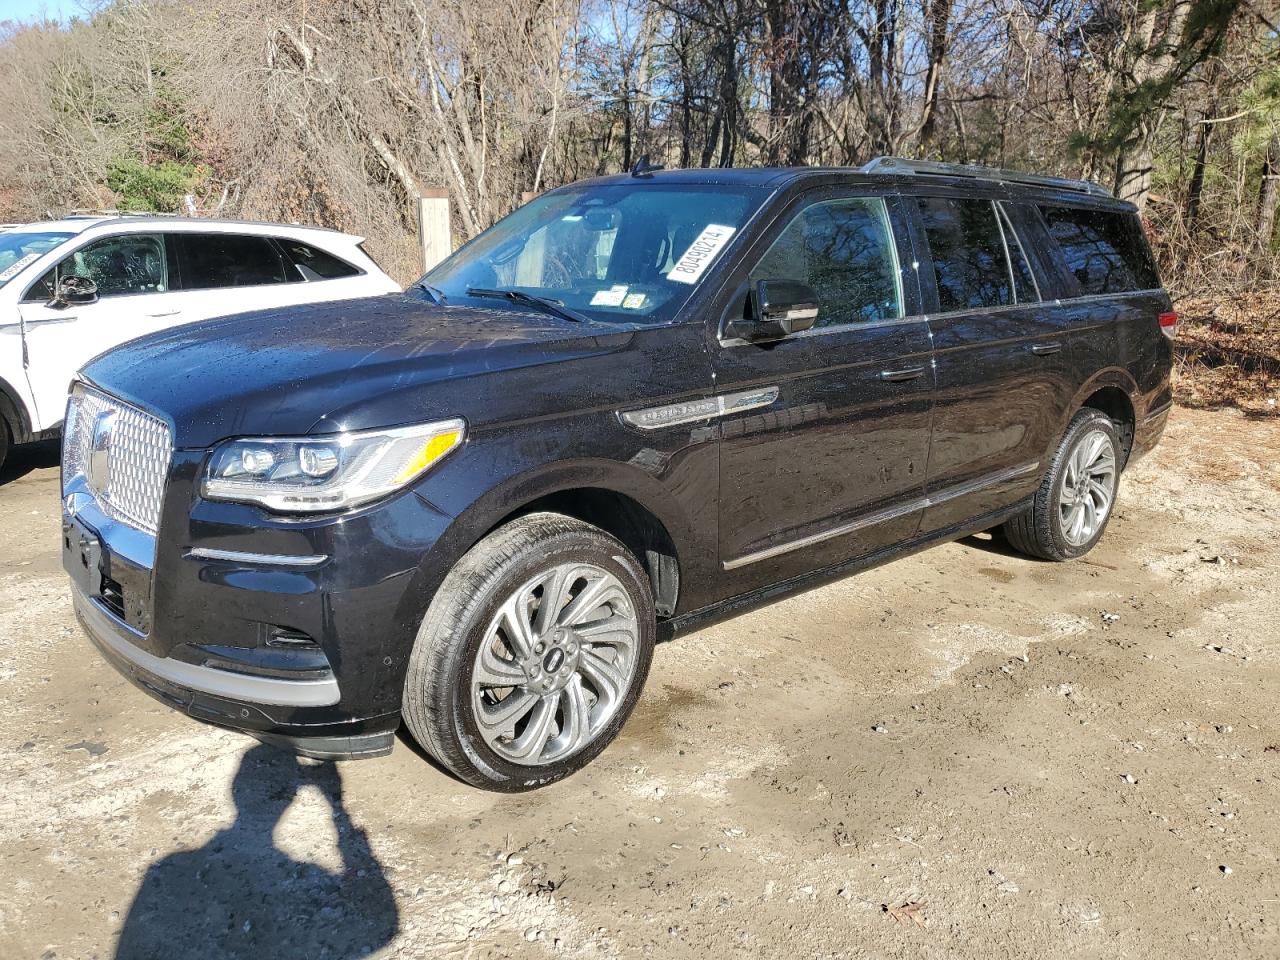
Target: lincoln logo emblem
pixel 97 469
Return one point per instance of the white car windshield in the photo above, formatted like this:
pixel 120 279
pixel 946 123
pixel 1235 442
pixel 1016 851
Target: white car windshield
pixel 623 252
pixel 20 248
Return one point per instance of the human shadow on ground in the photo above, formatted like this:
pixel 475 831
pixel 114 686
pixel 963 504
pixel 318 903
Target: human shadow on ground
pixel 240 896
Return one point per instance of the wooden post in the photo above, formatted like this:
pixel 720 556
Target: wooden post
pixel 434 235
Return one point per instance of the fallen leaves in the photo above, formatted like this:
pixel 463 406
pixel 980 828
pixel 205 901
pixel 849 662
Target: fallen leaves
pixel 1226 352
pixel 912 910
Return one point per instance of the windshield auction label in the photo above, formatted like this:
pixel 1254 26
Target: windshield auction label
pixel 14 268
pixel 700 254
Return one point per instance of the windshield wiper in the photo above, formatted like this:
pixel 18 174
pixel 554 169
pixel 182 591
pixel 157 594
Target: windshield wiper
pixel 545 304
pixel 435 293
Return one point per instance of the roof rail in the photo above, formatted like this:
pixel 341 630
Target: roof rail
pixel 933 168
pixel 84 212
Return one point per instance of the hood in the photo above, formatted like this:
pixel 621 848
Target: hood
pixel 324 368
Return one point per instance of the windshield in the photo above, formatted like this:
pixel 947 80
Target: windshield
pixel 19 249
pixel 622 252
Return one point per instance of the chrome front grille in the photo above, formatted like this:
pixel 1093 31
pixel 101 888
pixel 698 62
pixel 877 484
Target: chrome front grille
pixel 121 453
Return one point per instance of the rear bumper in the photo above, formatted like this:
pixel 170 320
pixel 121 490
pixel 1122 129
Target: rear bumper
pixel 1148 431
pixel 248 704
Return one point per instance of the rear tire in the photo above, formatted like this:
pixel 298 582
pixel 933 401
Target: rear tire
pixel 531 655
pixel 5 443
pixel 1070 511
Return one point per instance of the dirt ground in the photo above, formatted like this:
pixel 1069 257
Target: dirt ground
pixel 963 754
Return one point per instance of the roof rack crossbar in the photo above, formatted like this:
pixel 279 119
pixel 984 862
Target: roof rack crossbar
pixel 934 168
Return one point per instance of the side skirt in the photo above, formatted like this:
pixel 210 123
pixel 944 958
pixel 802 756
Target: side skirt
pixel 744 603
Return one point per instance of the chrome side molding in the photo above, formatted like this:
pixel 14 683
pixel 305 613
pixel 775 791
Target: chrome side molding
pixel 883 516
pixel 674 414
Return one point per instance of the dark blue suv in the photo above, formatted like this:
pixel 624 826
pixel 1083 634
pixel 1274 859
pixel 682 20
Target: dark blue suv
pixel 638 404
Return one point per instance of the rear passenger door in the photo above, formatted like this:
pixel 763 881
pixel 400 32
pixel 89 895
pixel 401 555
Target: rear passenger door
pixel 1002 355
pixel 224 273
pixel 831 467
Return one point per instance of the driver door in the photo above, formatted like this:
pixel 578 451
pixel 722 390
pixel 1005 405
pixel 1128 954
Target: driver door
pixel 834 467
pixel 132 273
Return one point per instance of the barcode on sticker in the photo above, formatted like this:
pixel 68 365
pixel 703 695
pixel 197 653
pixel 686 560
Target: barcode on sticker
pixel 700 254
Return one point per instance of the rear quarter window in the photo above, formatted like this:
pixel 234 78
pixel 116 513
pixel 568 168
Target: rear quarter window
pixel 1105 251
pixel 312 263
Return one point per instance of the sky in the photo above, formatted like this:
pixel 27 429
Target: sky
pixel 34 9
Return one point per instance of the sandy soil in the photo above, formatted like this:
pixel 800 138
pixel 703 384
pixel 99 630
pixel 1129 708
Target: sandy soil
pixel 963 754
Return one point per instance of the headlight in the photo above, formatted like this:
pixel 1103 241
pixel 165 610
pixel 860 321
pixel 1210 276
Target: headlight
pixel 310 474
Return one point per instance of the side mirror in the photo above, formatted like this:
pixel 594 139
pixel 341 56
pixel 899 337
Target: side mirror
pixel 73 291
pixel 778 309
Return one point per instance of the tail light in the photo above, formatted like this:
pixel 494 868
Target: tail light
pixel 1169 324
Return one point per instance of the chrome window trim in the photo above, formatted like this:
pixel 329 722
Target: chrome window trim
pixel 271 559
pixel 1007 228
pixel 883 516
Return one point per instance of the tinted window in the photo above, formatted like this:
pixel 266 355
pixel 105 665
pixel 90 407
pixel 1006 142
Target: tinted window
pixel 843 249
pixel 313 263
pixel 227 260
pixel 1106 252
pixel 126 265
pixel 968 253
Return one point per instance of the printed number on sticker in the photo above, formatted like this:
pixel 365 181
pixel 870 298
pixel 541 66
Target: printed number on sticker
pixel 700 254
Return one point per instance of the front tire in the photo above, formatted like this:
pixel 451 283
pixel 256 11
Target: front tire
pixel 1075 501
pixel 532 654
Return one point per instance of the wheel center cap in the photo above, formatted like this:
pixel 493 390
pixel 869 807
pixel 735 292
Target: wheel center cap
pixel 553 660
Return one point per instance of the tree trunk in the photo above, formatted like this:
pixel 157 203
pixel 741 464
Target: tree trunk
pixel 1268 195
pixel 1196 188
pixel 939 21
pixel 1155 56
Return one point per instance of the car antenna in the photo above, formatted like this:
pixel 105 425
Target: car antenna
pixel 644 168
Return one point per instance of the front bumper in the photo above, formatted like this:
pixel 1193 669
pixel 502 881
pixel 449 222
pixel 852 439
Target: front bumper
pixel 216 697
pixel 191 628
pixel 119 643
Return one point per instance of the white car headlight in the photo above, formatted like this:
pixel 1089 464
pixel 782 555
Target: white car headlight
pixel 313 474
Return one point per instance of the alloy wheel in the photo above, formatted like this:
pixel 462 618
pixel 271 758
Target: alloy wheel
pixel 1088 488
pixel 555 664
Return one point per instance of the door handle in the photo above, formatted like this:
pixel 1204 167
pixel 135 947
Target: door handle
pixel 164 313
pixel 1044 349
pixel 901 376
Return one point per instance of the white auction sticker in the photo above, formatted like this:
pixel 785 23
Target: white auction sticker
pixel 609 298
pixel 700 254
pixel 12 270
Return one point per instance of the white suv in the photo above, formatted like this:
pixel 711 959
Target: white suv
pixel 70 289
